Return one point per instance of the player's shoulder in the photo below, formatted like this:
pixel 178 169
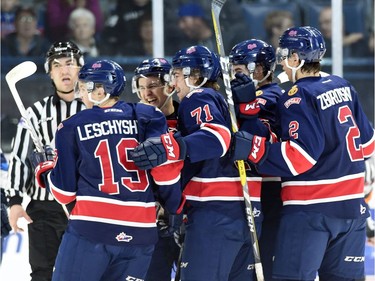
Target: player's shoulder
pixel 146 110
pixel 201 95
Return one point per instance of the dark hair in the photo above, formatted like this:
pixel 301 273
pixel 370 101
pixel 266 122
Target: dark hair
pixel 314 67
pixel 24 9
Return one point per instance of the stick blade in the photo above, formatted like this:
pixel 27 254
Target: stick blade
pixel 20 71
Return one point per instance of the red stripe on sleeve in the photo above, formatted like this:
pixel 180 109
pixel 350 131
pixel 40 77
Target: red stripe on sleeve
pixel 297 159
pixel 222 131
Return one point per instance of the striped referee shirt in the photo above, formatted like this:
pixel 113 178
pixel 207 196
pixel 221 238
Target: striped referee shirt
pixel 45 116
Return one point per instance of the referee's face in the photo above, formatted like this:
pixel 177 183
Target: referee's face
pixel 64 73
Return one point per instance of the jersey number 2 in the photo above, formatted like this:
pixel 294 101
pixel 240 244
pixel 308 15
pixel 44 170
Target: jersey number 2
pixel 344 116
pixel 108 184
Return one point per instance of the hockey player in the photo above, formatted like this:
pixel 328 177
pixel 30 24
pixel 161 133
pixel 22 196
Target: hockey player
pixel 217 245
pixel 325 139
pixel 46 217
pixel 151 83
pixel 255 61
pixel 112 225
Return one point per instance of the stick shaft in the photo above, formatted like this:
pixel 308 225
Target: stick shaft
pixel 224 63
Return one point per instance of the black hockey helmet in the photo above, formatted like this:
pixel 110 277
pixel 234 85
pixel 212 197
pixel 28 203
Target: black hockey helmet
pixel 63 49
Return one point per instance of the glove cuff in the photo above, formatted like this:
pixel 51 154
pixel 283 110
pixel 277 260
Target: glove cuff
pixel 249 110
pixel 259 149
pixel 182 145
pixel 41 170
pixel 174 145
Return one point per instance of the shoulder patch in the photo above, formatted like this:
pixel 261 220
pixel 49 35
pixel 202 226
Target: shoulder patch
pixel 261 101
pixel 291 101
pixel 258 93
pixel 293 90
pixel 61 125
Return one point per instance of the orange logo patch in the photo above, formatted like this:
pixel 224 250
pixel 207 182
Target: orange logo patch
pixel 293 90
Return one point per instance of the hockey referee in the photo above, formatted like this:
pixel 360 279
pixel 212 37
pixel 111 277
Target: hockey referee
pixel 46 217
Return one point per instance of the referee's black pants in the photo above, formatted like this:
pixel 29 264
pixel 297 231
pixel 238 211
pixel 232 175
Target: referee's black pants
pixel 45 234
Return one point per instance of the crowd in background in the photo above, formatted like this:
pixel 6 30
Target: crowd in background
pixel 124 28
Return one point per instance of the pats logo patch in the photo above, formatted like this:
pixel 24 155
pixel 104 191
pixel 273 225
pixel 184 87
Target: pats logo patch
pixel 123 237
pixel 293 90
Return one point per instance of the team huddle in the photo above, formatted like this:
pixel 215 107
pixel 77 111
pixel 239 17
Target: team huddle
pixel 155 185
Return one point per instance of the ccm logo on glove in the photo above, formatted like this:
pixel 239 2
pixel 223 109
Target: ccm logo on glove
pixel 171 146
pixel 249 109
pixel 258 149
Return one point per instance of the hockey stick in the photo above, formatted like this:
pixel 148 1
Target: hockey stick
pixel 216 7
pixel 17 73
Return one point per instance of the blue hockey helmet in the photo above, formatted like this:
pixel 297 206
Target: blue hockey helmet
pixel 153 67
pixel 254 51
pixel 198 57
pixel 105 72
pixel 306 41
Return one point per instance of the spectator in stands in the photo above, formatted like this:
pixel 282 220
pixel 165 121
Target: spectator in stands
pixel 8 10
pixel 122 26
pixel 145 46
pixel 58 12
pixel 25 40
pixel 354 43
pixel 275 23
pixel 82 31
pixel 195 23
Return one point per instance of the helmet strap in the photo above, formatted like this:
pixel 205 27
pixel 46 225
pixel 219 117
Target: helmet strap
pixel 191 87
pixel 169 96
pixel 96 102
pixel 294 69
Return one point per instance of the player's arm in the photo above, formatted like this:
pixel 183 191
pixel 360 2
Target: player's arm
pixel 207 136
pixel 62 180
pixel 167 176
pixel 367 132
pixel 303 143
pixel 206 124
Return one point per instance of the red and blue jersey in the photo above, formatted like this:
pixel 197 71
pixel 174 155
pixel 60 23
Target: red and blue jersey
pixel 209 176
pixel 325 138
pixel 114 199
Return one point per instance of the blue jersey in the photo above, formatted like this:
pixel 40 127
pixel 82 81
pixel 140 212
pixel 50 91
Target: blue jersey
pixel 326 137
pixel 115 201
pixel 209 177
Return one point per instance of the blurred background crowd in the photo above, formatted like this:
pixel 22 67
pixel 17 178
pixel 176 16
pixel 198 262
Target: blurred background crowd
pixel 123 31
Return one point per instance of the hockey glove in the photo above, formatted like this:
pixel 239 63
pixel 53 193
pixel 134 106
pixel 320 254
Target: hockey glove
pixel 155 151
pixel 37 157
pixel 173 225
pixel 244 97
pixel 243 89
pixel 43 163
pixel 249 147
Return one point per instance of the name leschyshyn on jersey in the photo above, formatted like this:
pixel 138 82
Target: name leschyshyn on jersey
pixel 108 127
pixel 334 96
